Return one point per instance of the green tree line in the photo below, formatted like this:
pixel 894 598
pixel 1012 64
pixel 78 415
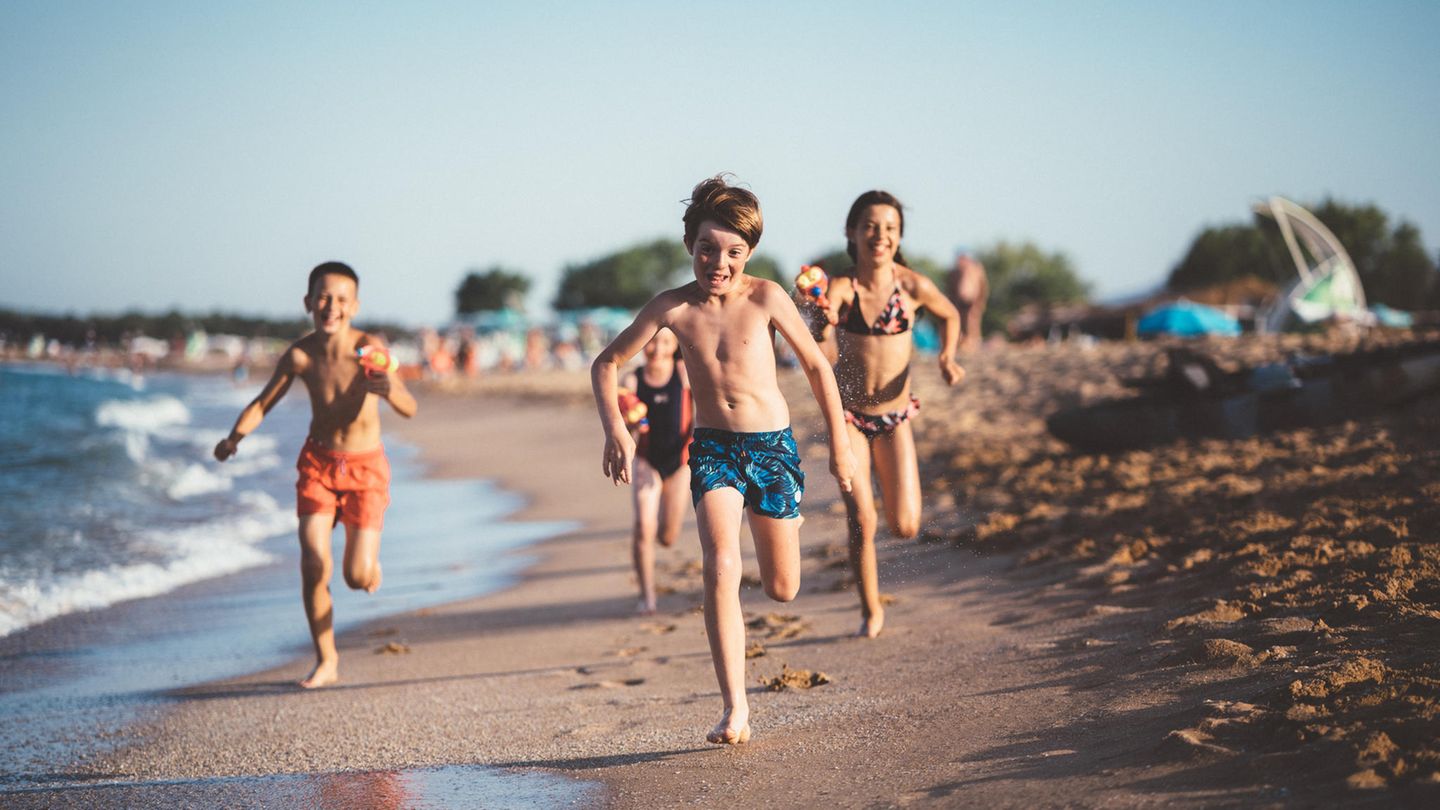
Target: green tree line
pixel 110 330
pixel 1391 260
pixel 1021 274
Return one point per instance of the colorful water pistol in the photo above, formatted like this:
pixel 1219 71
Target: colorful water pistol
pixel 812 284
pixel 376 360
pixel 634 410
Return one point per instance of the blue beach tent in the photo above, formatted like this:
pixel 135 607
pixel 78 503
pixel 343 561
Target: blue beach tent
pixel 1187 319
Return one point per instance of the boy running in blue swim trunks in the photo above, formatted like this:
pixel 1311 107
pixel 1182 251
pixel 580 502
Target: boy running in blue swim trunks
pixel 743 456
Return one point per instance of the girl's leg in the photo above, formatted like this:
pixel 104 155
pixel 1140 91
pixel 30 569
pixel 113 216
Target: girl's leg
pixel 899 473
pixel 860 520
pixel 315 567
pixel 674 503
pixel 646 487
pixel 718 514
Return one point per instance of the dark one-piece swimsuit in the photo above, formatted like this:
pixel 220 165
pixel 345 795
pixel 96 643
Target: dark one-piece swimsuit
pixel 666 444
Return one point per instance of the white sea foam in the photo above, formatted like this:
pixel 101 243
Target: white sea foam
pixel 182 478
pixel 197 479
pixel 142 415
pixel 139 419
pixel 194 553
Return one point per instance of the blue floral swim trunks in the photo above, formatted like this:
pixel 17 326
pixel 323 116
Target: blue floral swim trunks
pixel 763 467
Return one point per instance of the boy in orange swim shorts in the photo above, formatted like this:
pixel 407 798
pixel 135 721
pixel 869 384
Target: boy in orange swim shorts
pixel 344 477
pixel 354 487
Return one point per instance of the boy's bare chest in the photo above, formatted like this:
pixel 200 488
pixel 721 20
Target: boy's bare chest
pixel 333 381
pixel 723 335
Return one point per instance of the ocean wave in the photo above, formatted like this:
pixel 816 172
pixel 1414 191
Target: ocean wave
pixel 194 553
pixel 197 479
pixel 142 415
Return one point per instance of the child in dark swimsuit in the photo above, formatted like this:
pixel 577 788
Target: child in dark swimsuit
pixel 662 479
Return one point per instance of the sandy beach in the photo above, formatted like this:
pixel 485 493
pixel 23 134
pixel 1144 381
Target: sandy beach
pixel 1213 623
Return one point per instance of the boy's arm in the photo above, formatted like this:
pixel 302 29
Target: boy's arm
pixel 619 446
pixel 389 387
pixel 786 318
pixel 927 295
pixel 254 413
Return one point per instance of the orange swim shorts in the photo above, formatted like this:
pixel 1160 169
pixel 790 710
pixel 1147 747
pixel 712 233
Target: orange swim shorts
pixel 355 487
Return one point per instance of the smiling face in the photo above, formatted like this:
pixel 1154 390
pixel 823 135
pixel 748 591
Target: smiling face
pixel 876 233
pixel 332 302
pixel 719 257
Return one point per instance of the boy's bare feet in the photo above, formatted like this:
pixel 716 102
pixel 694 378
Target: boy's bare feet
pixel 324 674
pixel 870 625
pixel 731 730
pixel 643 608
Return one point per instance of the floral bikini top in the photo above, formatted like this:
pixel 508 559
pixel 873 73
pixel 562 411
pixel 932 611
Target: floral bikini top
pixel 893 320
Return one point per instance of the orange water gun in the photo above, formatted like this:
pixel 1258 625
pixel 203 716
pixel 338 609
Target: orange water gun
pixel 812 284
pixel 377 360
pixel 633 410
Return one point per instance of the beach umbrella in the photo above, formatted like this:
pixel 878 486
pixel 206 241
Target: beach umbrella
pixel 1187 319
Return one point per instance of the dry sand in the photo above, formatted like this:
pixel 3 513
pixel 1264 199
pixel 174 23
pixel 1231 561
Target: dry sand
pixel 1212 623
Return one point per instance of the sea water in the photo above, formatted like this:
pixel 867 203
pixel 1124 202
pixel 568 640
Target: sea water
pixel 106 494
pixel 157 567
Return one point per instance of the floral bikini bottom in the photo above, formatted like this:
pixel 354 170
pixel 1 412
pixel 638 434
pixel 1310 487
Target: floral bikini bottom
pixel 882 424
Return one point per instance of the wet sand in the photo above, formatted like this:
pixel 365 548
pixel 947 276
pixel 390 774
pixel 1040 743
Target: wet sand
pixel 1247 622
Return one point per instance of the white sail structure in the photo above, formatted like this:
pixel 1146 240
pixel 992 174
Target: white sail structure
pixel 1327 287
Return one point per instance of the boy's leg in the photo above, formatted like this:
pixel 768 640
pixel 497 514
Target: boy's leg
pixel 718 514
pixel 777 550
pixel 315 566
pixel 674 503
pixel 860 520
pixel 362 558
pixel 899 472
pixel 646 496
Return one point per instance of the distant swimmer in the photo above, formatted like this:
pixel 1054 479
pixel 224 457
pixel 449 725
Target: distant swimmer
pixel 344 476
pixel 871 314
pixel 968 287
pixel 743 458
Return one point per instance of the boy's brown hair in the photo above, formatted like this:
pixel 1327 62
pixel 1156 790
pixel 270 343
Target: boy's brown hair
pixel 731 206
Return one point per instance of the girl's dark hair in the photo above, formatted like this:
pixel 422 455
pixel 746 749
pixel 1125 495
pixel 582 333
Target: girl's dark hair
pixel 869 198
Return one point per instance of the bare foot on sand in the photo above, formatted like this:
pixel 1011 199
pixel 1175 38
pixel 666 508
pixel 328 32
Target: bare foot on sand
pixel 643 608
pixel 731 730
pixel 870 625
pixel 324 674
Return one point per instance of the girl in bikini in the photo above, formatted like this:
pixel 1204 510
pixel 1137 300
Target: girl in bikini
pixel 661 476
pixel 871 314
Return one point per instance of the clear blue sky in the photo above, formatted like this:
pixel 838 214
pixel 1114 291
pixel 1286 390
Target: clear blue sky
pixel 206 155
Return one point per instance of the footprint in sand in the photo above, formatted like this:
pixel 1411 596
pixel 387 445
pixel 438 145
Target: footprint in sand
pixel 778 625
pixel 393 648
pixel 608 684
